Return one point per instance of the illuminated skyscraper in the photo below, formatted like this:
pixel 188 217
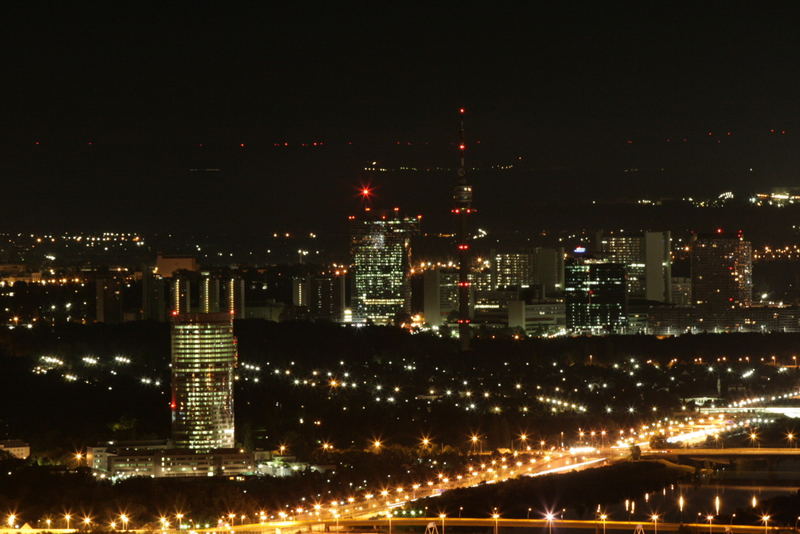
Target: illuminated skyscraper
pixel 203 359
pixel 722 272
pixel 647 260
pixel 595 296
pixel 381 248
pixel 513 269
pixel 209 293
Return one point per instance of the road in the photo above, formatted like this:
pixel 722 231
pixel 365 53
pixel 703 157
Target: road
pixel 386 525
pixel 734 451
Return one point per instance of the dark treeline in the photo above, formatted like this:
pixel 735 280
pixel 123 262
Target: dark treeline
pixel 305 342
pixel 37 492
pixel 109 401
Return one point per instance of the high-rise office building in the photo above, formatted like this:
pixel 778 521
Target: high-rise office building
pixel 323 294
pixel 722 271
pixel 595 296
pixel 658 266
pixel 440 295
pixel 203 359
pixel 300 290
pixel 154 305
pixel 181 295
pixel 326 296
pixel 548 269
pixel 381 249
pixel 209 293
pixel 647 260
pixel 108 299
pixel 513 269
pixel 234 295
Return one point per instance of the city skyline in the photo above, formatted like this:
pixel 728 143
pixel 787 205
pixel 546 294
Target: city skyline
pixel 455 267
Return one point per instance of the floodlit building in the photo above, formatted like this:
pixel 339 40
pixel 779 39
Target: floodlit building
pixel 381 249
pixel 595 296
pixel 203 359
pixel 16 448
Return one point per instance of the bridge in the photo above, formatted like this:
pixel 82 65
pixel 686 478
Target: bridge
pixel 725 452
pixel 439 525
pixel 789 411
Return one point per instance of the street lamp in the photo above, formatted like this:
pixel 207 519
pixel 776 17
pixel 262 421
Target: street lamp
pixel 603 518
pixel 791 438
pixel 442 516
pixel 376 444
pixel 549 516
pixel 87 521
pixel 124 518
pixel 496 517
pixel 12 520
pixel 654 517
pixel 754 439
pixel 709 518
pixel 475 440
pixel 765 519
pixel 67 517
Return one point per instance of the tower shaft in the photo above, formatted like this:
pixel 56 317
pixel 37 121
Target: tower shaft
pixel 462 198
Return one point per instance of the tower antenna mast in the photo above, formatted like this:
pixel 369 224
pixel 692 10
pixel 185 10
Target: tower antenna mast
pixel 462 199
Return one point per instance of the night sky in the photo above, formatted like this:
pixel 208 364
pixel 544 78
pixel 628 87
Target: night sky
pixel 108 110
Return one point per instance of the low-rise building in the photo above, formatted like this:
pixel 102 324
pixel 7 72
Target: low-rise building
pixel 16 448
pixel 538 318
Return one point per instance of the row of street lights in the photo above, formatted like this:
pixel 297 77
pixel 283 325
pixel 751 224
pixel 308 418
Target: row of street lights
pixel 12 521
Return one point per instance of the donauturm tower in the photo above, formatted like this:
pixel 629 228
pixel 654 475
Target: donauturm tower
pixel 462 209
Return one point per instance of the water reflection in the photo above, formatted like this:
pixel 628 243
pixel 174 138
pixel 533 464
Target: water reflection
pixel 693 503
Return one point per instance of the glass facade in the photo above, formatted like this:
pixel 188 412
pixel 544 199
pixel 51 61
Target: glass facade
pixel 203 359
pixel 595 296
pixel 381 248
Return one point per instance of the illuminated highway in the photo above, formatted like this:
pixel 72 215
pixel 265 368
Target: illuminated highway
pixel 442 525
